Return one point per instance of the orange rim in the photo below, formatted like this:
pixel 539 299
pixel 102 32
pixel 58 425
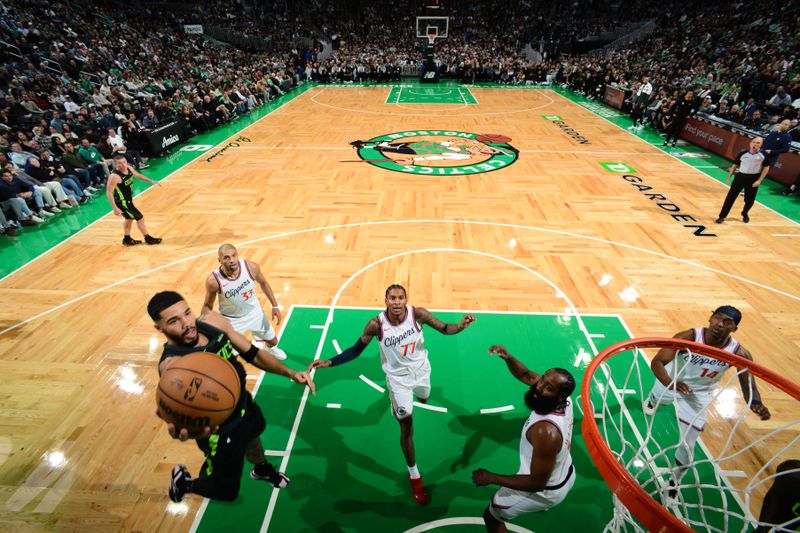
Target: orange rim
pixel 644 507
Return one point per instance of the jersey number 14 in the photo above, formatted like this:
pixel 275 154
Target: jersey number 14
pixel 709 375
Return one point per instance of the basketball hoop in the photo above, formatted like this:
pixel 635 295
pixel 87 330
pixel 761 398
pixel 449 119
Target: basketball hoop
pixel 431 38
pixel 633 462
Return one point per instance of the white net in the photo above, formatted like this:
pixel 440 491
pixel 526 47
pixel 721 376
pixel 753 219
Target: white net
pixel 714 483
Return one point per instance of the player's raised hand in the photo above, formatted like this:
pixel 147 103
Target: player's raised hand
pixel 319 363
pixel 761 410
pixel 302 378
pixel 466 320
pixel 499 350
pixel 481 477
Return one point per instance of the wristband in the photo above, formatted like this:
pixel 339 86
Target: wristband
pixel 753 401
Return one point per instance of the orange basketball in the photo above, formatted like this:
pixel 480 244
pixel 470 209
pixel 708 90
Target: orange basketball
pixel 493 138
pixel 200 389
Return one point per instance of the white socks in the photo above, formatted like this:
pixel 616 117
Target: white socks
pixel 413 472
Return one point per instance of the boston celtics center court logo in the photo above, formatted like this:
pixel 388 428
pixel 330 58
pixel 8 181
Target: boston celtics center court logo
pixel 438 152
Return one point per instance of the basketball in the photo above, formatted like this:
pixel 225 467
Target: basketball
pixel 493 138
pixel 200 389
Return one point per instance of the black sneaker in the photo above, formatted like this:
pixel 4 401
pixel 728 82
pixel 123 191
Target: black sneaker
pixel 672 491
pixel 179 483
pixel 720 220
pixel 745 218
pixel 357 144
pixel 152 240
pixel 129 241
pixel 279 480
pixel 787 191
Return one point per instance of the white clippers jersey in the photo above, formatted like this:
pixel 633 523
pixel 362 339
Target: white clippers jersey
pixel 563 460
pixel 402 346
pixel 237 297
pixel 699 372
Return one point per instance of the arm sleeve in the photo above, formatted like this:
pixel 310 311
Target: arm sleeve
pixel 250 354
pixel 349 354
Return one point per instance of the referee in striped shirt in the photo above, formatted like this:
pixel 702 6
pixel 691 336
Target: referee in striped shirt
pixel 751 172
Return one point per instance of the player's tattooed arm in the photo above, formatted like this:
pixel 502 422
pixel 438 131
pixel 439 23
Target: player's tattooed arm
pixel 425 317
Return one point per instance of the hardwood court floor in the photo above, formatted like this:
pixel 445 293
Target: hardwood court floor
pixel 80 446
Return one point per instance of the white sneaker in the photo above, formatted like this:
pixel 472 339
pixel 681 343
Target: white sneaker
pixel 65 205
pixel 45 214
pixel 277 353
pixel 37 219
pixel 54 209
pixel 648 408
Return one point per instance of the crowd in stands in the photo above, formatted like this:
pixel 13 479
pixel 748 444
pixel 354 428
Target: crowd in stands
pixel 81 82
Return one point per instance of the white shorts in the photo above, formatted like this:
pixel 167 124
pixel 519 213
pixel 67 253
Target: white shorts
pixel 404 387
pixel 508 504
pixel 692 408
pixel 256 322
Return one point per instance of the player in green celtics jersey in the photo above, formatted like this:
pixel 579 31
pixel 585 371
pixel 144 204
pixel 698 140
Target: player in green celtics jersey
pixel 119 190
pixel 226 446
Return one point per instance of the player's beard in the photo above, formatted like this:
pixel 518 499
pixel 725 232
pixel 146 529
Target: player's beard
pixel 539 404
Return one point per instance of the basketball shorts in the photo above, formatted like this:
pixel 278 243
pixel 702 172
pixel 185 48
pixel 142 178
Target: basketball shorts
pixel 403 386
pixel 256 322
pixel 225 450
pixel 692 409
pixel 129 210
pixel 508 504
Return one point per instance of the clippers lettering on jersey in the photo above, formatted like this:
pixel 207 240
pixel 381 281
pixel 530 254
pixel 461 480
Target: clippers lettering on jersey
pixel 397 339
pixel 230 293
pixel 700 360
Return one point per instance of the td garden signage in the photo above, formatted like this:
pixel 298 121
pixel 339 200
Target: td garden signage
pixel 438 152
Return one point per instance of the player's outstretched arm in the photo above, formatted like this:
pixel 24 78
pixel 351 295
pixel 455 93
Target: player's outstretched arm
pixel 517 369
pixel 212 288
pixel 666 355
pixel 748 384
pixel 142 177
pixel 370 330
pixel 259 358
pixel 425 317
pixel 546 440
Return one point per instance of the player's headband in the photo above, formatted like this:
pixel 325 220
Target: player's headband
pixel 731 311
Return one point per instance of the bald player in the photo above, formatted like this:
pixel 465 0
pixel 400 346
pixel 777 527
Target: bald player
pixel 235 283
